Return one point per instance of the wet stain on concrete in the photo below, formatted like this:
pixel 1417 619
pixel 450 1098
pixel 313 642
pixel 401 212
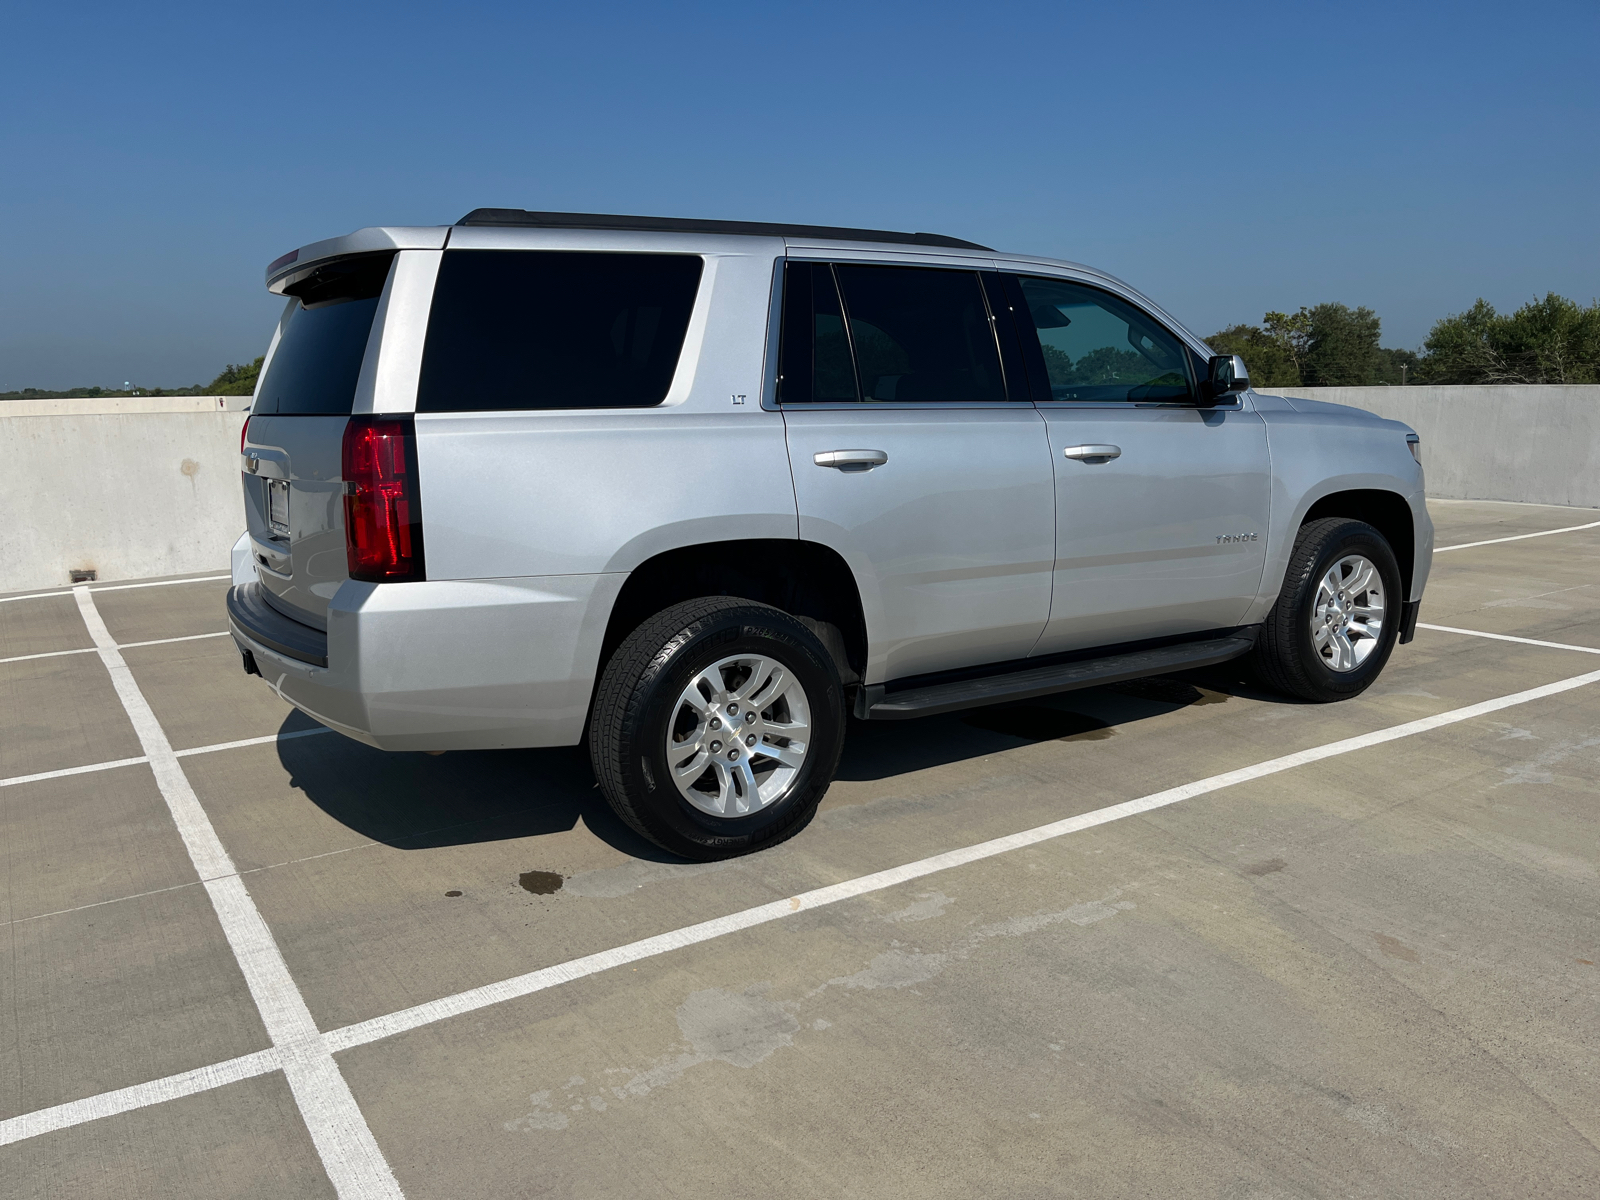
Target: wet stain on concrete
pixel 541 883
pixel 1266 867
pixel 1038 723
pixel 1395 948
pixel 453 893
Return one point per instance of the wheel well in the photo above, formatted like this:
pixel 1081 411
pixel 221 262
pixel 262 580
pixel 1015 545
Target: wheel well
pixel 805 579
pixel 1387 512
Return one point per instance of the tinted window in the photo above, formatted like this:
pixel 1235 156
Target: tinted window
pixel 1097 347
pixel 916 334
pixel 318 359
pixel 920 335
pixel 523 329
pixel 815 357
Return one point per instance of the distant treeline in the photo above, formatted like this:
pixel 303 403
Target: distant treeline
pixel 1553 340
pixel 235 380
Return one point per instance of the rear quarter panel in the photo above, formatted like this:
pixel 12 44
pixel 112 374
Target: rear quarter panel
pixel 562 492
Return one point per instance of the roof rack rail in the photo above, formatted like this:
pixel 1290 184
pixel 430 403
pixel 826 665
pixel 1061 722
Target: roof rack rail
pixel 557 220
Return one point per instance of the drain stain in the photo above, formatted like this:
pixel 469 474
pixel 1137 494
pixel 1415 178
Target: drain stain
pixel 1036 723
pixel 1395 948
pixel 1266 868
pixel 541 883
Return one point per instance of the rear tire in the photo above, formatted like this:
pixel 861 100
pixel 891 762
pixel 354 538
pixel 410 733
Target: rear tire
pixel 745 678
pixel 1334 624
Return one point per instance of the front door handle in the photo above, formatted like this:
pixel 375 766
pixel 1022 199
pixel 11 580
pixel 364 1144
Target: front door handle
pixel 1093 453
pixel 850 460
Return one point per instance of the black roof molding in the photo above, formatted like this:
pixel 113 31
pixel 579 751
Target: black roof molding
pixel 556 220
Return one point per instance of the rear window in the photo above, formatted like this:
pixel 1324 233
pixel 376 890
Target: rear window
pixel 318 360
pixel 528 329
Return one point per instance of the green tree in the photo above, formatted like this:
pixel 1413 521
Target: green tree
pixel 1554 340
pixel 236 380
pixel 1341 347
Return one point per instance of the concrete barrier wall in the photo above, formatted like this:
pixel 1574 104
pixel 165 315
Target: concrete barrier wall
pixel 129 487
pixel 1535 443
pixel 148 486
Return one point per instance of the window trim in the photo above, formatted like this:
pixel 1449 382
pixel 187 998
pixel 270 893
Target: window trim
pixel 975 269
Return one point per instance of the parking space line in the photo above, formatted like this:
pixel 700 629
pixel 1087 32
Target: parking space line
pixel 350 1154
pixel 193 637
pixel 140 1095
pixel 1506 637
pixel 133 762
pixel 115 587
pixel 65 771
pixel 46 654
pixel 255 741
pixel 1517 537
pixel 522 985
pixel 366 1032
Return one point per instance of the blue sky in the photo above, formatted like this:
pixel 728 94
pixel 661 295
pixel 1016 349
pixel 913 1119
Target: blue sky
pixel 1224 158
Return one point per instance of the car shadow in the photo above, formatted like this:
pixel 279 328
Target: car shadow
pixel 415 801
pixel 880 749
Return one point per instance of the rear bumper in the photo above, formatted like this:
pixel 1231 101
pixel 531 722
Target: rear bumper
pixel 249 614
pixel 439 665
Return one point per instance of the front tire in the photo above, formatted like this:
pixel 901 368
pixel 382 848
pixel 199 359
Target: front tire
pixel 1334 624
pixel 717 727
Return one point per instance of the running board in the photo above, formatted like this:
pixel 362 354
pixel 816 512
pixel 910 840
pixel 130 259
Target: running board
pixel 874 704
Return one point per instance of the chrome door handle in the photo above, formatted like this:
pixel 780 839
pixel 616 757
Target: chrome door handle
pixel 1093 453
pixel 850 460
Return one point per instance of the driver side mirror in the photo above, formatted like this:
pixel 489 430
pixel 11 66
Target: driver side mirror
pixel 1229 376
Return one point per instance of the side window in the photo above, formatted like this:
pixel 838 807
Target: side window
pixel 920 334
pixel 526 329
pixel 884 334
pixel 814 363
pixel 1097 347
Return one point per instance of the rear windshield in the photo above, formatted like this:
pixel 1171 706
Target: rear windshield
pixel 526 329
pixel 318 360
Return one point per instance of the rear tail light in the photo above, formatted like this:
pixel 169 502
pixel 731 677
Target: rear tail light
pixel 382 505
pixel 244 434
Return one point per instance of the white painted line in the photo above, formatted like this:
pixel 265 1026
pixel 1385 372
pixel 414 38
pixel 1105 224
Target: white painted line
pixel 92 767
pixel 131 762
pixel 46 654
pixel 122 587
pixel 548 977
pixel 366 1032
pixel 1515 537
pixel 1504 637
pixel 255 741
pixel 350 1154
pixel 115 587
pixel 193 637
pixel 141 1095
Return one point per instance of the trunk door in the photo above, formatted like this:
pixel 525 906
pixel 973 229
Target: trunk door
pixel 292 454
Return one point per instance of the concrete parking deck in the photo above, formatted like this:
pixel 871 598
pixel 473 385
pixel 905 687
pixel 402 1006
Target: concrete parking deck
pixel 1242 947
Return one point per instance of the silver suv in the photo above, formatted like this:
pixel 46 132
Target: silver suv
pixel 696 492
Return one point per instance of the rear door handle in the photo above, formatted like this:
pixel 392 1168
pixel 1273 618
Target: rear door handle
pixel 850 460
pixel 1093 453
